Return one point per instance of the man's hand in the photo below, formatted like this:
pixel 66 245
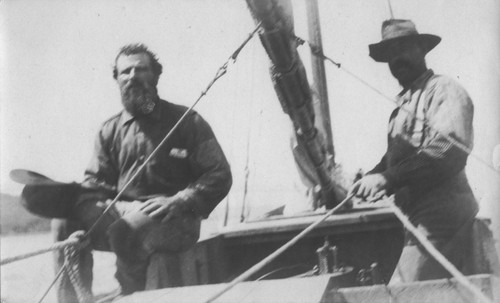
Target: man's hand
pixel 370 187
pixel 164 208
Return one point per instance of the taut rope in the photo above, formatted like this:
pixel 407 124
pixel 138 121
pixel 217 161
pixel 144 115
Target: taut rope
pixel 450 139
pixel 220 72
pixel 68 242
pixel 55 246
pixel 71 253
pixel 461 279
pixel 278 252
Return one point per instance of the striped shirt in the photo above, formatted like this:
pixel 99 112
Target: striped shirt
pixel 421 164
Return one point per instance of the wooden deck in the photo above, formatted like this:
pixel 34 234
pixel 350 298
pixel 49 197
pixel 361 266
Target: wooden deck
pixel 321 289
pixel 355 220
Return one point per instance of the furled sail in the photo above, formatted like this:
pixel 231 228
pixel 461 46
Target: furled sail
pixel 290 82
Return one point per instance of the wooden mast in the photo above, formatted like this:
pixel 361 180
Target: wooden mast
pixel 322 108
pixel 294 93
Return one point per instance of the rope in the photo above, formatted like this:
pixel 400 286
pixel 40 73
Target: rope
pixel 220 72
pixel 59 273
pixel 399 214
pixel 278 252
pixel 450 139
pixel 55 246
pixel 390 9
pixel 461 279
pixel 72 255
pixel 73 244
pixel 247 173
pixel 72 266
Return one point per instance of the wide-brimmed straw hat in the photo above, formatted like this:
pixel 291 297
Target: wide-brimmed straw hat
pixel 396 30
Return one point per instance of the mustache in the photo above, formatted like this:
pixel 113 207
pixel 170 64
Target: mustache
pixel 402 63
pixel 136 85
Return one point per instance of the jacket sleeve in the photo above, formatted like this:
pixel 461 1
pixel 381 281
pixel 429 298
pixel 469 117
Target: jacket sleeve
pixel 380 167
pixel 212 174
pixel 449 113
pixel 99 183
pixel 101 172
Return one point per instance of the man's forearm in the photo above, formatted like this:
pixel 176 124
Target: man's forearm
pixel 204 194
pixel 425 169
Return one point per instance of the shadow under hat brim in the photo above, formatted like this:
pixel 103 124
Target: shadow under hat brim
pixel 379 53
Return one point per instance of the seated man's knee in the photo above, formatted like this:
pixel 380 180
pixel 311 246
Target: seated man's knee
pixel 146 235
pixel 123 240
pixel 176 235
pixel 119 232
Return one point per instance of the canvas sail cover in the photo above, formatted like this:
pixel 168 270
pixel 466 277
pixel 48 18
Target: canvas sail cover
pixel 314 163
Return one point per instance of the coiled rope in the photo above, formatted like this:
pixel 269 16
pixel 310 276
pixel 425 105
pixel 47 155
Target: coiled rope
pixel 70 245
pixel 72 255
pixel 72 267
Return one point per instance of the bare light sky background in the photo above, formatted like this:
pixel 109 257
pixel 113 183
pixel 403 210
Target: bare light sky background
pixel 56 86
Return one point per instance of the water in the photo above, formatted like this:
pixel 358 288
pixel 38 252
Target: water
pixel 27 280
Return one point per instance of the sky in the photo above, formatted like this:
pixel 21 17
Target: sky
pixel 56 85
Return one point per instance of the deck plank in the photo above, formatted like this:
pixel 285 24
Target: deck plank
pixel 291 224
pixel 321 289
pixel 287 290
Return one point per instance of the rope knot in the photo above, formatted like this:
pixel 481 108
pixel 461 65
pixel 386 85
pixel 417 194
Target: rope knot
pixel 82 240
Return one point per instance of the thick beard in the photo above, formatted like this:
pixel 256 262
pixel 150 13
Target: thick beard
pixel 139 99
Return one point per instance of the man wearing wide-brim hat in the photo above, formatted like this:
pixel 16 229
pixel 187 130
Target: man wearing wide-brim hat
pixel 421 167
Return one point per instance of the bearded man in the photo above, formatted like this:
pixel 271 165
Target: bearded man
pixel 164 203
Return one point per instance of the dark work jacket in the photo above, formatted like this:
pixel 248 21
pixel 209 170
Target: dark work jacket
pixel 190 165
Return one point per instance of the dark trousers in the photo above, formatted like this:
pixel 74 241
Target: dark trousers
pixel 133 236
pixel 415 263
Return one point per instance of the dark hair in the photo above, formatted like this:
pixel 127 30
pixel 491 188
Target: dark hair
pixel 139 48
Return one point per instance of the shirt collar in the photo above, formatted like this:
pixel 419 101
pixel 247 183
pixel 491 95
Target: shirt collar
pixel 418 83
pixel 155 115
pixel 126 117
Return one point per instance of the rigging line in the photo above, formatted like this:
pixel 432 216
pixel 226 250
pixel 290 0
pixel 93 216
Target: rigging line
pixel 231 151
pixel 461 279
pixel 55 246
pixel 59 245
pixel 220 72
pixel 450 139
pixel 254 269
pixel 247 175
pixel 390 9
pixel 243 214
pixel 59 273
